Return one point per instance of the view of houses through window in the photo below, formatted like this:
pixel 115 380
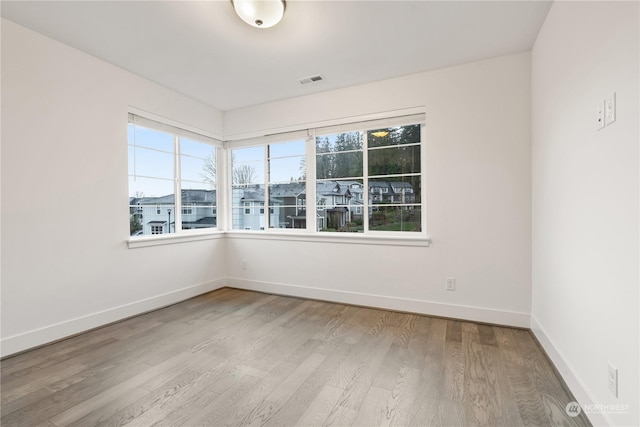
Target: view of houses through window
pixel 365 180
pixel 282 166
pixel 375 188
pixel 165 162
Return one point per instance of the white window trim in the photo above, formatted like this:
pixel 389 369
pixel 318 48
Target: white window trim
pixel 168 239
pixel 385 119
pixel 178 129
pixel 327 237
pixel 409 117
pixel 344 238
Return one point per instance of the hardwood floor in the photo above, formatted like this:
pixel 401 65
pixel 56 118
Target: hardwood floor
pixel 234 357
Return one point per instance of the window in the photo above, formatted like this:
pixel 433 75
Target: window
pixel 270 175
pixel 287 184
pixel 394 167
pixel 187 209
pixel 366 178
pixel 339 173
pixel 165 161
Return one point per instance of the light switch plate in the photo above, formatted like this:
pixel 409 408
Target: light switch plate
pixel 600 116
pixel 610 110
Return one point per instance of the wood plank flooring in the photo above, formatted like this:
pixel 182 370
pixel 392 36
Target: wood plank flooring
pixel 239 358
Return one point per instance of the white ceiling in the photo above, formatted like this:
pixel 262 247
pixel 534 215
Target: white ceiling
pixel 203 50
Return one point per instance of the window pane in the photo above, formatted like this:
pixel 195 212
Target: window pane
pixel 393 136
pixel 198 170
pixel 287 169
pixel 394 160
pixel 339 165
pixel 339 155
pixel 150 187
pixel 287 205
pixel 151 206
pixel 285 149
pixel 340 205
pixel 346 141
pixel 247 165
pixel 189 147
pixel 152 163
pixel 143 137
pixel 249 154
pixel 247 207
pixel 395 218
pixel 397 190
pixel 132 160
pixel 198 207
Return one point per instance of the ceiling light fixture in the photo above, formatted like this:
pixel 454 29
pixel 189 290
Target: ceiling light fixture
pixel 380 133
pixel 260 13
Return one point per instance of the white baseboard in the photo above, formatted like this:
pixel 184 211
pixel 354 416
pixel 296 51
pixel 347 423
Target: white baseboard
pixel 568 375
pixel 21 342
pixel 477 314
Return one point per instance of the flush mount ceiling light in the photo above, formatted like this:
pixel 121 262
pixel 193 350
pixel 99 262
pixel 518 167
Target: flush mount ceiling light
pixel 260 13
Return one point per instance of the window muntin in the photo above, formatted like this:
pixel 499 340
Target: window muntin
pixel 165 161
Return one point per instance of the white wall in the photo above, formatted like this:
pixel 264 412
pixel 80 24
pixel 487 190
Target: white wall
pixel 478 199
pixel 65 262
pixel 585 200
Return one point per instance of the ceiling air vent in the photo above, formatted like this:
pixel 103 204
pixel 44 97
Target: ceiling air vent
pixel 312 79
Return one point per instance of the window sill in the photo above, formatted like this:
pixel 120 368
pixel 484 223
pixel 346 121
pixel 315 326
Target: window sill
pixel 343 238
pixel 169 239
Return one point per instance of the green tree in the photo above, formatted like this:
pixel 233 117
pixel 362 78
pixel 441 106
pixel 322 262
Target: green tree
pixel 134 224
pixel 347 162
pixel 324 159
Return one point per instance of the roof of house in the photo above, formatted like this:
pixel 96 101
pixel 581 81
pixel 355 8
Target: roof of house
pixel 277 191
pixel 207 220
pixel 188 196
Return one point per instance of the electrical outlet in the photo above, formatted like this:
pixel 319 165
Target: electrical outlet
pixel 610 110
pixel 600 116
pixel 243 264
pixel 450 284
pixel 612 379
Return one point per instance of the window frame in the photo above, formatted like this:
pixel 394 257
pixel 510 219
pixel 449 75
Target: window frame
pixel 177 131
pixel 261 208
pixel 310 135
pixel 223 207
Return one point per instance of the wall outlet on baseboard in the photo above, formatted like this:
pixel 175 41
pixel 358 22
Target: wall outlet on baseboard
pixel 450 284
